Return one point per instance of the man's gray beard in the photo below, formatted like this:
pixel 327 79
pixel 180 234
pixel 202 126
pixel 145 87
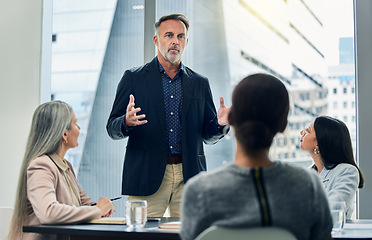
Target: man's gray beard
pixel 171 60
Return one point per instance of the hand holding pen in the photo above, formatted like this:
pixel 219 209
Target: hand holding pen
pixel 111 199
pixel 106 206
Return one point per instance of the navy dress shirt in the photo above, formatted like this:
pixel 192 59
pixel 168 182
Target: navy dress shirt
pixel 173 106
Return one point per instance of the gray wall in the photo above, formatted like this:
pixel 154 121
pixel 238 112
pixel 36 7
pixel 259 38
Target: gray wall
pixel 363 62
pixel 20 64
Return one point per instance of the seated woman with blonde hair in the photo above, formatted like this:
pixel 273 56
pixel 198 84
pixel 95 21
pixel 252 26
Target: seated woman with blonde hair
pixel 48 192
pixel 328 142
pixel 255 191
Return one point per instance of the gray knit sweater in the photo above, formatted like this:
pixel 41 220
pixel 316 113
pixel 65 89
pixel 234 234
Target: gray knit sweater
pixel 227 197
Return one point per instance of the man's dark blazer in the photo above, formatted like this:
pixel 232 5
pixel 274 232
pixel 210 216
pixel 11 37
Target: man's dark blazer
pixel 147 148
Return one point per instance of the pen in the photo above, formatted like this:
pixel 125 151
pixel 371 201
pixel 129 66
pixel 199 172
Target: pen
pixel 153 219
pixel 111 199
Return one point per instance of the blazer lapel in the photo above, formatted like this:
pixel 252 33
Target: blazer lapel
pixel 188 85
pixel 155 88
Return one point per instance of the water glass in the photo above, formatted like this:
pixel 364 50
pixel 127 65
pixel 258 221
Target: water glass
pixel 338 212
pixel 136 213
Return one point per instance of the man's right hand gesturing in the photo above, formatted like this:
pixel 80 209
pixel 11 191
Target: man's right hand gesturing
pixel 131 118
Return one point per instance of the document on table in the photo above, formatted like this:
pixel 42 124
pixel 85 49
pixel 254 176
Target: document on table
pixel 170 225
pixel 108 220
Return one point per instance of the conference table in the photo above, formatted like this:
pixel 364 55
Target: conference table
pixel 356 229
pixel 110 231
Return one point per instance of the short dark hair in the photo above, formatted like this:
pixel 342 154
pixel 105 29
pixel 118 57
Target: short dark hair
pixel 175 16
pixel 334 143
pixel 260 106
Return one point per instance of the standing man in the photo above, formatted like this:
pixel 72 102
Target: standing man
pixel 167 111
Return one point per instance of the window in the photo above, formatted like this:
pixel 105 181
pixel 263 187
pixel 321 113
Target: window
pixel 304 96
pixel 319 110
pixel 281 142
pixel 84 32
pixel 345 104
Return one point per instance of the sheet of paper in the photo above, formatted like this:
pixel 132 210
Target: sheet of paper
pixel 170 225
pixel 108 220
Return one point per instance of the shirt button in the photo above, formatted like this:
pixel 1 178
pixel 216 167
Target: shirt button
pixel 170 81
pixel 171 146
pixel 171 96
pixel 171 113
pixel 171 130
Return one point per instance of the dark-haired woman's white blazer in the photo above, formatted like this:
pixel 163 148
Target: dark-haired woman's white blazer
pixel 341 184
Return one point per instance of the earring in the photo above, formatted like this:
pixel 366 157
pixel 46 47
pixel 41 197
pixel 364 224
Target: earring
pixel 316 151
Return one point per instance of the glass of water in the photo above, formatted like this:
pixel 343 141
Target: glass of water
pixel 338 212
pixel 136 213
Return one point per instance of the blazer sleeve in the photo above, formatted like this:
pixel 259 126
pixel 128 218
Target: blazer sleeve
pixel 115 124
pixel 343 184
pixel 212 131
pixel 85 200
pixel 42 178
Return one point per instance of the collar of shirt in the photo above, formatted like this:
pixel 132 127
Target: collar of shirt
pixel 60 163
pixel 323 174
pixel 74 189
pixel 180 70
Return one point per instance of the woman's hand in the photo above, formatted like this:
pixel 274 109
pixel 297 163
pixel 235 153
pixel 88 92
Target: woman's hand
pixel 106 206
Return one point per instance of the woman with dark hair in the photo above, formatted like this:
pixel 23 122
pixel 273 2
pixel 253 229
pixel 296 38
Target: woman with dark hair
pixel 329 144
pixel 254 190
pixel 48 192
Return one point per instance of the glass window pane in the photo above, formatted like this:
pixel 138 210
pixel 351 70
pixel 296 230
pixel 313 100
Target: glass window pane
pixel 306 44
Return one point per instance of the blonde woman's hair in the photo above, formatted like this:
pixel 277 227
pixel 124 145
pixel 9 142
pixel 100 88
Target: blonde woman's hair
pixel 48 124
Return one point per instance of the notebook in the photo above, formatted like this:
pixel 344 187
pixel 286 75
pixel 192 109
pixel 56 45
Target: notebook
pixel 170 225
pixel 108 220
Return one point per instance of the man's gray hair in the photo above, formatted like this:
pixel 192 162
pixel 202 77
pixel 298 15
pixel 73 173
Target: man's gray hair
pixel 176 16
